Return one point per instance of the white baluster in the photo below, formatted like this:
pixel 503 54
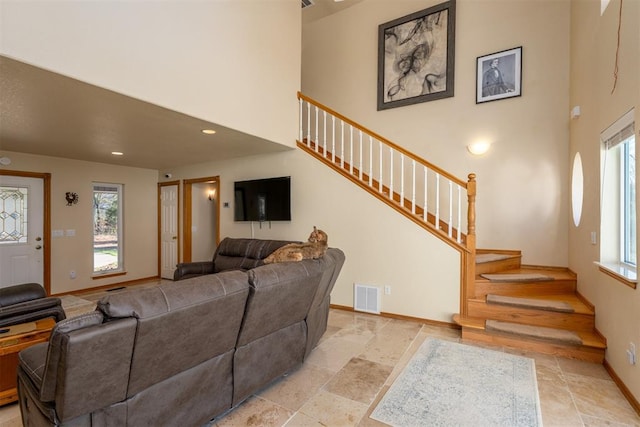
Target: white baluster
pixel 333 138
pixel 370 161
pixel 413 187
pixel 450 208
pixel 324 132
pixel 437 224
pixel 401 180
pixel 459 225
pixel 342 144
pixel 380 176
pixel 300 115
pixel 308 125
pixel 350 149
pixel 360 165
pixel 426 187
pixel 391 173
pixel 317 141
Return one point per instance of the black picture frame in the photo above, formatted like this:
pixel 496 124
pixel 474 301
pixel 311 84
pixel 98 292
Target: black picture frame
pixel 499 75
pixel 416 57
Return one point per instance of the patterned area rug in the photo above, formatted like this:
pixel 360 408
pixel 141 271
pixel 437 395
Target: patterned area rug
pixel 450 384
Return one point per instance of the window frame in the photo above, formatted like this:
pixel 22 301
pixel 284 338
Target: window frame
pixel 120 268
pixel 617 230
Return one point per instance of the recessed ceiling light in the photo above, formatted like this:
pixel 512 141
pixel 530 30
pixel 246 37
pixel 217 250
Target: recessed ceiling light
pixel 208 131
pixel 117 153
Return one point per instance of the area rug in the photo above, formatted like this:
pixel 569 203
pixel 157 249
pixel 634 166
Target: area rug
pixel 451 384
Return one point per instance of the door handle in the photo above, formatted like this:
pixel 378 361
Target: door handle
pixel 38 247
pixel 175 237
pixel 38 238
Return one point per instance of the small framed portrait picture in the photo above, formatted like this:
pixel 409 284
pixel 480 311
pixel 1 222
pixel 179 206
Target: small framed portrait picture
pixel 499 75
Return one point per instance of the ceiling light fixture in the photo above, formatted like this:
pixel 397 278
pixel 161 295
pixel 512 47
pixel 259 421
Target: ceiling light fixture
pixel 117 153
pixel 208 131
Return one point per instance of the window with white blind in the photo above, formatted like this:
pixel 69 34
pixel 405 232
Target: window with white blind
pixel 618 201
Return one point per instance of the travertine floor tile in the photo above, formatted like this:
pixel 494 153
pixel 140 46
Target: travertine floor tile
pixel 334 353
pixel 571 366
pixel 556 403
pixel 298 387
pixel 600 399
pixel 387 349
pixel 359 380
pixel 256 412
pixel 333 410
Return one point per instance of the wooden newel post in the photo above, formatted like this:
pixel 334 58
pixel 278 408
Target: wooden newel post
pixel 471 213
pixel 470 274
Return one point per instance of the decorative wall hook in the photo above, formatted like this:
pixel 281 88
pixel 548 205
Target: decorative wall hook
pixel 72 198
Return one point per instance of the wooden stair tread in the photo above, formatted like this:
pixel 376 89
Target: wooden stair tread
pixel 571 300
pixel 555 273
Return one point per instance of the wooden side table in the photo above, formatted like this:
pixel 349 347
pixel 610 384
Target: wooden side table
pixel 10 346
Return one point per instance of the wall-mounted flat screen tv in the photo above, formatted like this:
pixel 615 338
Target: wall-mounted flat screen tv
pixel 260 200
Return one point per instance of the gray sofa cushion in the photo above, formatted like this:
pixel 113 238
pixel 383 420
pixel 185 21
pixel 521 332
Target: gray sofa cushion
pixel 243 254
pixel 180 325
pixel 280 296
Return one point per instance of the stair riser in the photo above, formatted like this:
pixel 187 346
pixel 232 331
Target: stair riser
pixel 535 317
pixel 555 287
pixel 585 353
pixel 498 266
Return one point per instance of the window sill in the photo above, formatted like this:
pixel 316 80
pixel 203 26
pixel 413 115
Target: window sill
pixel 622 273
pixel 106 275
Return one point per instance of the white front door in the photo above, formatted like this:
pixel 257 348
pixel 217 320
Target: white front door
pixel 168 230
pixel 21 230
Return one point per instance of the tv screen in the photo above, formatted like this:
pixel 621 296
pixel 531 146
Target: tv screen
pixel 263 199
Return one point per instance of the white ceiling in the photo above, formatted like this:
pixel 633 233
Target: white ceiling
pixel 42 112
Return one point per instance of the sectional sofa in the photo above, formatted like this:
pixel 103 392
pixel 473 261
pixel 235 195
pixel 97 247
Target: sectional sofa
pixel 181 353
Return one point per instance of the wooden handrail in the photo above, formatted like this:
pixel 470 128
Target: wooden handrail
pixel 384 140
pixel 466 244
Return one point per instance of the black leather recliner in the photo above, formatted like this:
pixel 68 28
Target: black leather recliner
pixel 27 302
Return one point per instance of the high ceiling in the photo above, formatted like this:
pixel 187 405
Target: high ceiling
pixel 42 112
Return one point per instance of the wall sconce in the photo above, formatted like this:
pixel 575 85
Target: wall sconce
pixel 212 194
pixel 479 148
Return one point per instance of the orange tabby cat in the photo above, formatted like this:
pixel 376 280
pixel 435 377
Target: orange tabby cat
pixel 314 248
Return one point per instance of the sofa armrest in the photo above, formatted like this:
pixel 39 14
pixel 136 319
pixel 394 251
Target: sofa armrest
pixel 30 311
pixel 192 269
pixel 16 294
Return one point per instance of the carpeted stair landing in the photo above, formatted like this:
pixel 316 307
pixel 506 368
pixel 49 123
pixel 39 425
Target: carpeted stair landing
pixel 532 303
pixel 537 332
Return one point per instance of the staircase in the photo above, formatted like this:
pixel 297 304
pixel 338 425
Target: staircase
pixel 531 308
pixel 502 302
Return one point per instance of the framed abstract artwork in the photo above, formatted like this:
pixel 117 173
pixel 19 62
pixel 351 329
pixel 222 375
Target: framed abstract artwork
pixel 416 57
pixel 499 75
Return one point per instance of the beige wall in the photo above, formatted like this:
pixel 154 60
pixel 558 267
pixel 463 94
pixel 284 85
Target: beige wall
pixel 209 59
pixel 593 51
pixel 382 247
pixel 523 181
pixel 76 253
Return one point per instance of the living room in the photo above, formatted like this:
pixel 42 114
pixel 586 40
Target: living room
pixel 523 182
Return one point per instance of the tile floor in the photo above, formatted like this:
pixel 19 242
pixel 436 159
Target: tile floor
pixel 359 357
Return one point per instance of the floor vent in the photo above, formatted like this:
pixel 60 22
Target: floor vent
pixel 366 298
